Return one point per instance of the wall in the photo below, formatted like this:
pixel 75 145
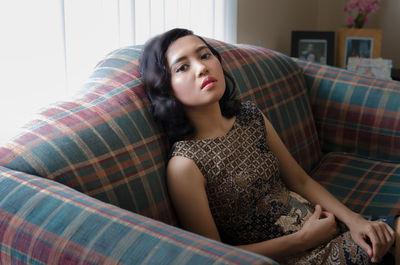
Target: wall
pixel 388 19
pixel 269 23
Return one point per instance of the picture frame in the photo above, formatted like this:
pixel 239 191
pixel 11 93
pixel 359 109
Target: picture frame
pixel 315 46
pixel 353 42
pixel 375 68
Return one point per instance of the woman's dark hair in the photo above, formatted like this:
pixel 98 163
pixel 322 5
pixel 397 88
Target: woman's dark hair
pixel 155 75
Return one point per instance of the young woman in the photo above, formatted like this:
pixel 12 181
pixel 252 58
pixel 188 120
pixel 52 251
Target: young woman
pixel 231 178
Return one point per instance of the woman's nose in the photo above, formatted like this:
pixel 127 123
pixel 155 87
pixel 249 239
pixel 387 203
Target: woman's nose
pixel 201 68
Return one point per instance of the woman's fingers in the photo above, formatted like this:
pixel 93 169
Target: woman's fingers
pixel 365 246
pixel 381 239
pixel 389 233
pixel 318 211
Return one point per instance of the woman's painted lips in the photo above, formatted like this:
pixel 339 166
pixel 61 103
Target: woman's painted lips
pixel 208 82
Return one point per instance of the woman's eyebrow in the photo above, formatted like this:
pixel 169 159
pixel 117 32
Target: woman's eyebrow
pixel 199 49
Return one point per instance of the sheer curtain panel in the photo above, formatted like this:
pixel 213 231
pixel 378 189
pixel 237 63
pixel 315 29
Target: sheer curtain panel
pixel 49 47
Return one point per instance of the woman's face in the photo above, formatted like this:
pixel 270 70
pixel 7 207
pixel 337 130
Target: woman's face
pixel 197 78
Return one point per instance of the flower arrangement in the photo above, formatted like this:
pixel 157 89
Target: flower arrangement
pixel 363 9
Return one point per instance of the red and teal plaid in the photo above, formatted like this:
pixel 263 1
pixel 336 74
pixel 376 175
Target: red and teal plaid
pixel 369 187
pixel 44 222
pixel 354 113
pixel 358 123
pixel 104 143
pixel 276 85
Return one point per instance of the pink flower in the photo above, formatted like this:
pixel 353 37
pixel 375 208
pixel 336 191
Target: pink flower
pixel 350 20
pixel 361 8
pixel 354 4
pixel 374 8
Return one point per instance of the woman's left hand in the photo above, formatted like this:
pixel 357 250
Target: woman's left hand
pixel 374 237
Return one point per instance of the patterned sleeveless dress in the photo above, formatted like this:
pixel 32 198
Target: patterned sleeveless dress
pixel 248 199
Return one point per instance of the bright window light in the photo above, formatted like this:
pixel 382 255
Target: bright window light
pixel 49 47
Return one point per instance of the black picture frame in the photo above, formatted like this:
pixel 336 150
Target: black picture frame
pixel 317 46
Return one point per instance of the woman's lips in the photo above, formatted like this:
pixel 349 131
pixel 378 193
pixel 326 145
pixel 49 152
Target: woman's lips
pixel 208 82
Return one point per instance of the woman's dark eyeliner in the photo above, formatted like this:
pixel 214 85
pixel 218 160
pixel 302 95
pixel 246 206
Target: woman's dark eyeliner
pixel 183 67
pixel 203 56
pixel 206 55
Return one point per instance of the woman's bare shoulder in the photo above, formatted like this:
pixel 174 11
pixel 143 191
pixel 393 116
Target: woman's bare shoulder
pixel 180 163
pixel 181 168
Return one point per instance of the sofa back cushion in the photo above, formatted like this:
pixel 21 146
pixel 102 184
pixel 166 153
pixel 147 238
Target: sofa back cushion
pixel 354 113
pixel 104 142
pixel 276 85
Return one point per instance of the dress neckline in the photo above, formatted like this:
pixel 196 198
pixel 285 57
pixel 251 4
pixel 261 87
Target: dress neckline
pixel 234 125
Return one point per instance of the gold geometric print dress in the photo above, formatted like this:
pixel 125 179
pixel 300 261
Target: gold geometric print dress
pixel 248 200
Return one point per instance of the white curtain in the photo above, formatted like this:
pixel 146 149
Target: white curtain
pixel 48 48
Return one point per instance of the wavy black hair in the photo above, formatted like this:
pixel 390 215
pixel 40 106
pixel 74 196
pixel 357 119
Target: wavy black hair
pixel 155 76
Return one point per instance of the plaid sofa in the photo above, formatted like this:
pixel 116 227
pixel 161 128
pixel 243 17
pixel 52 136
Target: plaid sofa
pixel 84 182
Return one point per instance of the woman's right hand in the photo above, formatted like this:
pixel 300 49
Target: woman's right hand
pixel 320 228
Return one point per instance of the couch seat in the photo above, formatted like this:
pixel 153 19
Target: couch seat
pixel 366 186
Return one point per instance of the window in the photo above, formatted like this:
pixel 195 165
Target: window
pixel 49 47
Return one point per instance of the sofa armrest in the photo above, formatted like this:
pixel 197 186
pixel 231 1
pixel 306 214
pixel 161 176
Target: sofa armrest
pixel 354 113
pixel 43 222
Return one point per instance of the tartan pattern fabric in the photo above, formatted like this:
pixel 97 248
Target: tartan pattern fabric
pixel 44 222
pixel 354 113
pixel 103 142
pixel 275 84
pixel 369 187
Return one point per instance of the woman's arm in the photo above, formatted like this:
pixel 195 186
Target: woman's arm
pixel 186 186
pixel 319 228
pixel 381 236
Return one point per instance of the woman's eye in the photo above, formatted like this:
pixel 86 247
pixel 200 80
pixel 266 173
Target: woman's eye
pixel 183 67
pixel 206 56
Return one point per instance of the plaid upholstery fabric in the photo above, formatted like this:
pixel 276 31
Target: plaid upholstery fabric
pixel 354 113
pixel 103 142
pixel 44 222
pixel 369 187
pixel 275 84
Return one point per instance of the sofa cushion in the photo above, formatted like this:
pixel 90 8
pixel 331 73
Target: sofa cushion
pixel 44 222
pixel 369 187
pixel 354 113
pixel 103 142
pixel 276 85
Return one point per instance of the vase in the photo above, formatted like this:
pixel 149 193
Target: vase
pixel 359 21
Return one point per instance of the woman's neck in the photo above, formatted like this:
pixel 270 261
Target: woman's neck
pixel 209 122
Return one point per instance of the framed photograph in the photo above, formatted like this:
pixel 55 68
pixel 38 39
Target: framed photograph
pixel 361 43
pixel 315 46
pixel 376 68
